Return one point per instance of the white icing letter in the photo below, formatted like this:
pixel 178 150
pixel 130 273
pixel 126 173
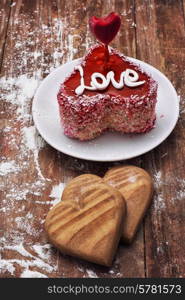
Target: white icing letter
pixel 80 89
pixel 130 80
pixel 99 86
pixel 128 77
pixel 117 85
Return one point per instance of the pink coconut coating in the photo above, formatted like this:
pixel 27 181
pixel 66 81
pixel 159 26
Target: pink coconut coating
pixel 87 116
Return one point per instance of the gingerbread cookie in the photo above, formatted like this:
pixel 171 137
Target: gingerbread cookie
pixel 88 222
pixel 136 186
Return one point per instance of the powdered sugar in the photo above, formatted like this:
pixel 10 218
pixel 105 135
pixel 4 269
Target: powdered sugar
pixel 20 90
pixel 27 259
pixel 20 249
pixel 32 274
pixel 8 167
pixel 91 274
pixel 70 43
pixel 176 186
pixel 27 226
pixel 56 193
pixel 6 266
pixel 31 138
pixel 158 202
pixel 34 143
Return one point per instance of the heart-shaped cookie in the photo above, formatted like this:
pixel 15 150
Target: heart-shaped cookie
pixel 105 29
pixel 136 186
pixel 88 222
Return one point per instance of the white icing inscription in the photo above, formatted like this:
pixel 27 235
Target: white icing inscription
pixel 128 77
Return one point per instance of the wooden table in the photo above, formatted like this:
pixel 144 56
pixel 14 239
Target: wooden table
pixel 36 37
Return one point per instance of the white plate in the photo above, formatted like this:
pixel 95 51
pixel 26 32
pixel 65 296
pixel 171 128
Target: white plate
pixel 109 146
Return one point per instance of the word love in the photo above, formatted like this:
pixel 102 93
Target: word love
pixel 128 77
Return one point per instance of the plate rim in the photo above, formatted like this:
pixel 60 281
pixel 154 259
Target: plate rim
pixel 90 158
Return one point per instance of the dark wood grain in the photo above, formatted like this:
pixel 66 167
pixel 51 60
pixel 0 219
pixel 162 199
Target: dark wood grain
pixel 40 36
pixel 5 7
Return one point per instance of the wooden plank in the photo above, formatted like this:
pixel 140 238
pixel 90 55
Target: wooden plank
pixel 125 43
pixel 24 250
pixel 5 7
pixel 160 41
pixel 39 39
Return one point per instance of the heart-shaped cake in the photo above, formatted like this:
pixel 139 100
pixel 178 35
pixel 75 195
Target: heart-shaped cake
pixel 118 96
pixel 136 186
pixel 88 222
